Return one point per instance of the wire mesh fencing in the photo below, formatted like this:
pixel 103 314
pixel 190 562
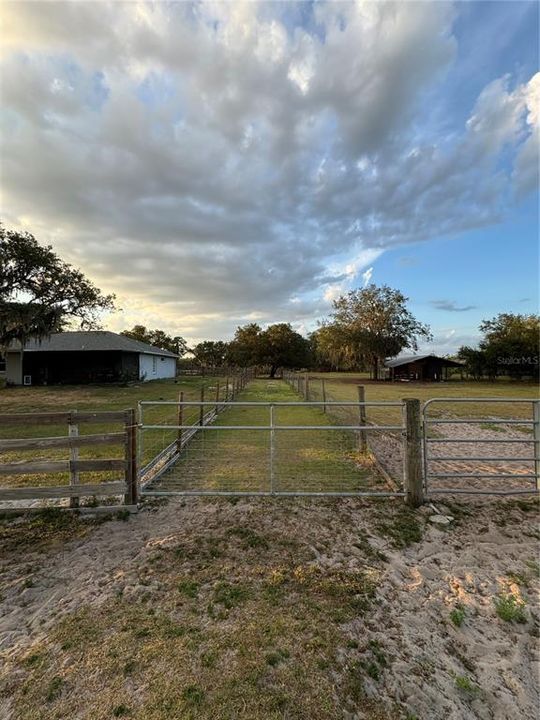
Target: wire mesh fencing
pixel 469 445
pixel 259 448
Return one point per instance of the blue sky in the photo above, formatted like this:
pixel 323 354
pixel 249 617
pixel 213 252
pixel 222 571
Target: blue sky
pixel 217 164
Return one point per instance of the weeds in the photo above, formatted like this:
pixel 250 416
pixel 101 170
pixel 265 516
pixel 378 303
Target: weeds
pixel 466 685
pixel 403 530
pixel 510 609
pixel 457 616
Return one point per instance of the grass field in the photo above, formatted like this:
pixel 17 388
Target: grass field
pixel 241 460
pixel 343 386
pixel 90 398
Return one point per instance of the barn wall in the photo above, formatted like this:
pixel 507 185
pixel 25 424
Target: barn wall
pixel 155 367
pixel 13 368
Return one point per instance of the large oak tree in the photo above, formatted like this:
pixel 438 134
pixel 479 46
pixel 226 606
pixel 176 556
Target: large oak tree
pixel 40 293
pixel 372 324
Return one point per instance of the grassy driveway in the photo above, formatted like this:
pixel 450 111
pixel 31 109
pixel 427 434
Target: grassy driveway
pixel 242 460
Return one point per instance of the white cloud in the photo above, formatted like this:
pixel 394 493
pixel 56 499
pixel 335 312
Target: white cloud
pixel 211 161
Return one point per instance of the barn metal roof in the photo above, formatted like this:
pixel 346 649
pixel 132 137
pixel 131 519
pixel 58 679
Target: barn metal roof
pixel 406 359
pixel 91 340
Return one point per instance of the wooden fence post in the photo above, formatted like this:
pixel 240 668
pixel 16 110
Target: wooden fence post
pixel 323 389
pixel 217 397
pixel 132 480
pixel 227 389
pixel 73 431
pixel 306 387
pixel 412 452
pixel 362 418
pixel 180 418
pixel 201 407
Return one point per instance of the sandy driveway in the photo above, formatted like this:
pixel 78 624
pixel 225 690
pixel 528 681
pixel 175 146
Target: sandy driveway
pixel 490 551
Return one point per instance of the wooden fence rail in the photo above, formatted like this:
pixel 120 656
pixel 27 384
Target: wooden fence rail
pixel 126 486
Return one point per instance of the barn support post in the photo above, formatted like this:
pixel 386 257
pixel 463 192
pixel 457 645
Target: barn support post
pixel 412 454
pixel 132 491
pixel 362 439
pixel 73 431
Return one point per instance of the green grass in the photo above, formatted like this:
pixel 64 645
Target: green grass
pixel 457 616
pixel 241 460
pixel 342 386
pixel 235 650
pixel 93 398
pixel 510 608
pixel 403 529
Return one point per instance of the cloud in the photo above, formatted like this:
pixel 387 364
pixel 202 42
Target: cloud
pixel 210 161
pixel 451 306
pixel 366 276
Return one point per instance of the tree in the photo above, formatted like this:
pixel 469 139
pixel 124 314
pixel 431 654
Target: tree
pixel 474 359
pixel 40 293
pixel 277 346
pixel 245 348
pixel 374 323
pixel 210 353
pixel 175 344
pixel 509 347
pixel 281 346
pixel 331 349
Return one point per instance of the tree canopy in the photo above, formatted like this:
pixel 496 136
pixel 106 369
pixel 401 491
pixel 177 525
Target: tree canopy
pixel 40 293
pixel 509 347
pixel 277 346
pixel 159 338
pixel 371 324
pixel 210 353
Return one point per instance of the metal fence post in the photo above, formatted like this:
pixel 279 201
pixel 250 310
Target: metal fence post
pixel 412 452
pixel 536 426
pixel 201 407
pixel 73 431
pixel 180 419
pixel 363 446
pixel 272 449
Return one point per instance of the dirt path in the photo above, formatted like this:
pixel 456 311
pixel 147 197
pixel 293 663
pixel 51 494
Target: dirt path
pixel 432 668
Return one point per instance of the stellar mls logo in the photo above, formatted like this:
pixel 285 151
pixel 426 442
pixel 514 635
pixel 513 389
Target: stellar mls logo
pixel 515 360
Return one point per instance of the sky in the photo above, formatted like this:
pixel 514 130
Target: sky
pixel 216 164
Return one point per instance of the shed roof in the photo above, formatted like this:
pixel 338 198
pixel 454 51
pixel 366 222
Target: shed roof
pixel 406 359
pixel 92 340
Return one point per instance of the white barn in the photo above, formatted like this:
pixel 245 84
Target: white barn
pixel 99 356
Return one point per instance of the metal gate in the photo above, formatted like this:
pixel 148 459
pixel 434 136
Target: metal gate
pixel 258 448
pixel 509 459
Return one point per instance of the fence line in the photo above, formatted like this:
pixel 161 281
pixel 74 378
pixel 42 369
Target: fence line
pixel 185 432
pixel 312 388
pixel 128 486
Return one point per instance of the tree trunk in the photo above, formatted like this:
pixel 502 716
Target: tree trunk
pixel 273 370
pixel 376 369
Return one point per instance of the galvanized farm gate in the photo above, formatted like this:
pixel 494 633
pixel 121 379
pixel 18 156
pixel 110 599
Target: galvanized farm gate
pixel 263 450
pixel 456 471
pixel 203 455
